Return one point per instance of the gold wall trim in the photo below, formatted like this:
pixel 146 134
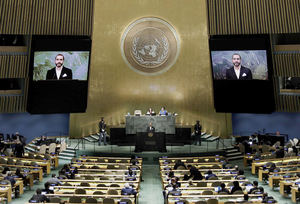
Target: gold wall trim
pixel 253 16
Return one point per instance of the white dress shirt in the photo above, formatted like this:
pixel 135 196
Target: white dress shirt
pixel 58 72
pixel 237 72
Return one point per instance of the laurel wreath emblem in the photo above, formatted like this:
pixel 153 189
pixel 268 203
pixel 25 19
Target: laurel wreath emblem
pixel 160 58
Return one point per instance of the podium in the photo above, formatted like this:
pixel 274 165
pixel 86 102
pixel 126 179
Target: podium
pixel 150 141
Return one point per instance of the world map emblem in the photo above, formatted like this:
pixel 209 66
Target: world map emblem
pixel 150 46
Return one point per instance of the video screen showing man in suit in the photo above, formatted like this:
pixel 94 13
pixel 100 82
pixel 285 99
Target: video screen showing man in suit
pixel 60 65
pixel 237 71
pixel 60 71
pixel 239 64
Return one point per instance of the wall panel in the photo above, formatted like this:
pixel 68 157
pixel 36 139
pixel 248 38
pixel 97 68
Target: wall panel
pixel 253 16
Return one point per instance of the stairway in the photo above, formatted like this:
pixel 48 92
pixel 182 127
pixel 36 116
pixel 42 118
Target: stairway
pixel 68 154
pixel 92 138
pixel 232 153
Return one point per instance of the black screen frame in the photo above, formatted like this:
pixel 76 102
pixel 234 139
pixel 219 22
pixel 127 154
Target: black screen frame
pixel 67 96
pixel 243 96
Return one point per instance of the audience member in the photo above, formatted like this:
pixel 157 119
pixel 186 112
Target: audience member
pixel 223 188
pixel 178 164
pixel 10 178
pixel 210 174
pixel 54 180
pixel 255 187
pixel 236 187
pixel 127 190
pixel 38 197
pixel 47 189
pixel 194 173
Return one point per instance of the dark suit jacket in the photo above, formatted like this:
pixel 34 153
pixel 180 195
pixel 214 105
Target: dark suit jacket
pixel 245 74
pixel 152 130
pixel 66 73
pixel 197 129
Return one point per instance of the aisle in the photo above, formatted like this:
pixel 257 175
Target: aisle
pixel 151 189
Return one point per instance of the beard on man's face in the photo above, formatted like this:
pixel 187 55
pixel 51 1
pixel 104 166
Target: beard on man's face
pixel 58 64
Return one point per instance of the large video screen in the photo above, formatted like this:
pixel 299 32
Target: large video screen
pixel 59 72
pixel 240 64
pixel 58 65
pixel 242 73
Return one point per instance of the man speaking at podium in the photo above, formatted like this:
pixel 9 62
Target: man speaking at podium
pixel 150 129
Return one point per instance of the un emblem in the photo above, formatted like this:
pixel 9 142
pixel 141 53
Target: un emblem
pixel 150 46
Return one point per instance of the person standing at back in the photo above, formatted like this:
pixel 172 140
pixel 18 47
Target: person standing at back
pixel 197 129
pixel 102 131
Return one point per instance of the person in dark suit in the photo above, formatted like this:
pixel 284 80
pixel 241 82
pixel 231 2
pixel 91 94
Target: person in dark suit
pixel 128 190
pixel 150 128
pixel 39 198
pixel 195 174
pixel 197 129
pixel 102 132
pixel 59 72
pixel 238 72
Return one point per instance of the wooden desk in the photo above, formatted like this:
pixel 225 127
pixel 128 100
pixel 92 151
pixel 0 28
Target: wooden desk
pixel 36 171
pixel 7 190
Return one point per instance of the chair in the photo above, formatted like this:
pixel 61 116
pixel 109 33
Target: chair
pixel 103 178
pixel 52 148
pixel 10 161
pixel 226 177
pixel 201 202
pixel 212 201
pixel 228 166
pixel 211 159
pixel 84 184
pixel 215 166
pixel 91 200
pixel 30 155
pixel 43 149
pixel 181 168
pixel 230 184
pixel 19 163
pixel 223 193
pixel 190 161
pixel 108 201
pixel 202 160
pixel 112 161
pixel 80 191
pixel 216 184
pixel 128 201
pixel 110 166
pixel 63 146
pixel 83 167
pixel 112 192
pixel 213 178
pixel 114 185
pixel 55 200
pixel 3 161
pixel 229 202
pixel 122 167
pixel 39 157
pixel 95 167
pixel 101 185
pixel 66 184
pixel 100 160
pixel 74 200
pixel 207 192
pixel 238 192
pixel 183 201
pixel 98 193
pixel 89 178
pixel 118 179
pixel 201 184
